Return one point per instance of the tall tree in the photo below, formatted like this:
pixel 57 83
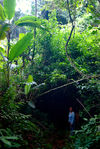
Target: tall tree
pixel 34 44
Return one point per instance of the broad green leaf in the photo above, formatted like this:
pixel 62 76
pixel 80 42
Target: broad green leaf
pixel 21 35
pixel 27 89
pixel 28 84
pixel 11 137
pixel 30 79
pixel 9 7
pixel 2 15
pixel 30 21
pixel 20 46
pixel 25 18
pixel 5 141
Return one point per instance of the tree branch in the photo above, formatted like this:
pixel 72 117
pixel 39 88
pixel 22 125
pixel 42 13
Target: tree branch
pixel 84 107
pixel 69 13
pixel 70 83
pixel 73 26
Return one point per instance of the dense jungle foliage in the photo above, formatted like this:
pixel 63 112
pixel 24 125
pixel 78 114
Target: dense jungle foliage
pixel 49 56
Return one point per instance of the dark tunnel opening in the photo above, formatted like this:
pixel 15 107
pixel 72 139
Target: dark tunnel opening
pixel 56 104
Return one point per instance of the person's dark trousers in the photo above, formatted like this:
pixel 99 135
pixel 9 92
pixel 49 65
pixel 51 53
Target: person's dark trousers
pixel 72 129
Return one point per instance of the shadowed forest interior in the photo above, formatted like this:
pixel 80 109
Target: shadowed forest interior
pixel 50 74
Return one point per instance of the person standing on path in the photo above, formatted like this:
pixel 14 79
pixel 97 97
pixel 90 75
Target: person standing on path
pixel 71 120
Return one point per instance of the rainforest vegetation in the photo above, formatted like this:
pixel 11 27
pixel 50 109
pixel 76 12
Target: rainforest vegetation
pixel 49 61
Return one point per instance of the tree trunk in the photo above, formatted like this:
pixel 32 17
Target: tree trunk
pixel 8 70
pixel 73 27
pixel 34 30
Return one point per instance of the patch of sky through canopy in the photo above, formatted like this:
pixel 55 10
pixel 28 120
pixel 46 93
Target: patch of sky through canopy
pixel 24 6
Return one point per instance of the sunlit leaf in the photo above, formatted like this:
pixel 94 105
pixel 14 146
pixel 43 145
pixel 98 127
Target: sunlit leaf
pixel 9 7
pixel 27 89
pixel 21 35
pixel 20 46
pixel 29 83
pixel 30 21
pixel 2 15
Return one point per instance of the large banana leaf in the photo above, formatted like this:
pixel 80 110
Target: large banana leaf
pixel 30 21
pixel 30 18
pixel 9 7
pixel 2 15
pixel 20 46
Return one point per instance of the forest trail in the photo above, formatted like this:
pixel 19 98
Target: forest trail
pixel 59 144
pixel 58 141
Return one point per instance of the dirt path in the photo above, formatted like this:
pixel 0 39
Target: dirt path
pixel 58 141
